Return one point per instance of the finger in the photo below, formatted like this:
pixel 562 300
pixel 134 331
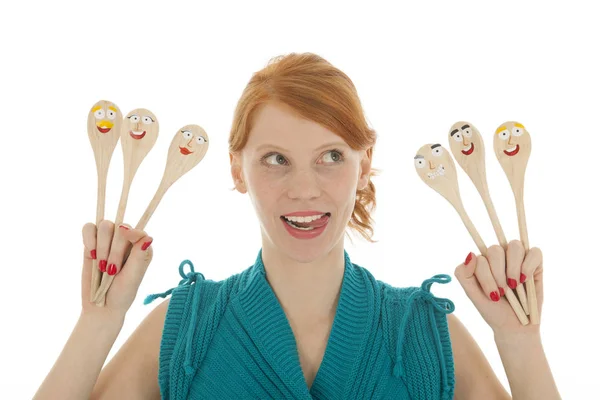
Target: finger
pixel 514 259
pixel 465 274
pixel 120 247
pixel 497 261
pixel 103 241
pixel 484 275
pixel 136 265
pixel 532 261
pixel 88 232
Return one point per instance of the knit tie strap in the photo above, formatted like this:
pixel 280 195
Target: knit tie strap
pixel 442 305
pixel 188 279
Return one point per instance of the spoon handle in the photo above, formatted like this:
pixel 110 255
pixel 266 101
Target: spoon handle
pixel 100 202
pixel 489 205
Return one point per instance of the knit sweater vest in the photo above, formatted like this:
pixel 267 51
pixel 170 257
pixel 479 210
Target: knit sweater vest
pixel 232 340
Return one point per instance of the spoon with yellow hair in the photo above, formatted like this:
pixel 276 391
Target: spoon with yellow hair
pixel 512 145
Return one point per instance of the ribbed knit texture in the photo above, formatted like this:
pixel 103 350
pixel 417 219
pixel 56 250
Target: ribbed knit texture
pixel 385 342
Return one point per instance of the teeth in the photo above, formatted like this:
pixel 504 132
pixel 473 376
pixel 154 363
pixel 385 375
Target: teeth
pixel 137 132
pixel 309 218
pixel 310 228
pixel 440 171
pixel 468 147
pixel 511 150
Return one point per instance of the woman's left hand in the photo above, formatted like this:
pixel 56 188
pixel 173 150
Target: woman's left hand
pixel 485 282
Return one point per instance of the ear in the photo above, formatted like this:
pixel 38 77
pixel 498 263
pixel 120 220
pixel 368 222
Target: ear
pixel 365 169
pixel 236 172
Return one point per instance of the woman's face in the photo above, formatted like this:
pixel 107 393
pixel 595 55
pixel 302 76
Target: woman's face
pixel 294 167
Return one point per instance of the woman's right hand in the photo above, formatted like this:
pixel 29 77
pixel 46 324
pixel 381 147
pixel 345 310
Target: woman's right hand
pixel 99 243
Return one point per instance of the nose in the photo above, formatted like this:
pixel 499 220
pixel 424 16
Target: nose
pixel 431 165
pixel 303 185
pixel 509 140
pixel 137 125
pixel 189 144
pixel 465 141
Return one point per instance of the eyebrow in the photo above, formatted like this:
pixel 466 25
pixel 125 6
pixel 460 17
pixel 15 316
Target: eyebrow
pixel 269 145
pixel 418 156
pixel 435 145
pixel 453 132
pixel 465 126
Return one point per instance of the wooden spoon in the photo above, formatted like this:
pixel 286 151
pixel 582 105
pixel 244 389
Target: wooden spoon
pixel 512 145
pixel 104 127
pixel 139 133
pixel 468 149
pixel 187 149
pixel 436 168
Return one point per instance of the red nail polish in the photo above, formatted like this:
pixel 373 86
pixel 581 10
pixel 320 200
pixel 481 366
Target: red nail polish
pixel 124 227
pixel 469 258
pixel 512 283
pixel 523 277
pixel 146 245
pixel 112 269
pixel 103 265
pixel 93 254
pixel 501 292
pixel 494 296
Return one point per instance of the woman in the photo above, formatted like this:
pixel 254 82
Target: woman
pixel 303 321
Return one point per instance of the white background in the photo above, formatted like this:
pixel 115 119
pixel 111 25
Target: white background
pixel 418 68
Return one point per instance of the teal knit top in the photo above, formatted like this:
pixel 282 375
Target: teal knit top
pixel 231 340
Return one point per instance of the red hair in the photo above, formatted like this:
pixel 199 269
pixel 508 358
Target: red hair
pixel 320 92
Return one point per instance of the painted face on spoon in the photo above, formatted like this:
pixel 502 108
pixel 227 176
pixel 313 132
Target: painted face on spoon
pixel 140 123
pixel 511 140
pixel 103 117
pixel 434 165
pixel 187 149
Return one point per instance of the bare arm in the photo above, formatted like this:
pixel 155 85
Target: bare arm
pixel 526 366
pixel 474 376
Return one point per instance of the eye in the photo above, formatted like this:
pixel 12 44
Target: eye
pixel 147 120
pixel 419 162
pixel 437 151
pixel 187 134
pixel 200 140
pixel 99 114
pixel 457 137
pixel 504 135
pixel 336 156
pixel 467 132
pixel 517 131
pixel 279 159
pixel 111 114
pixel 134 118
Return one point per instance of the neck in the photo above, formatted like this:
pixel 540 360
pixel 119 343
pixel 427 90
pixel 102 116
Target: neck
pixel 308 292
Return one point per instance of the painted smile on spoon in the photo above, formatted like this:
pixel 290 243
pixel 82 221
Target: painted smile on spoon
pixel 469 150
pixel 103 130
pixel 513 151
pixel 305 224
pixel 137 135
pixel 185 151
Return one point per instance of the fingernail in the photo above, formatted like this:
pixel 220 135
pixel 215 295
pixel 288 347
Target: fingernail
pixel 103 265
pixel 146 245
pixel 112 269
pixel 512 283
pixel 469 258
pixel 523 277
pixel 124 227
pixel 494 296
pixel 93 254
pixel 501 292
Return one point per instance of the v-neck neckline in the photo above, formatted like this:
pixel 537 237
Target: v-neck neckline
pixel 270 327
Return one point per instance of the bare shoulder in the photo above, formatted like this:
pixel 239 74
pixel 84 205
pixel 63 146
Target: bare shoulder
pixel 133 371
pixel 474 376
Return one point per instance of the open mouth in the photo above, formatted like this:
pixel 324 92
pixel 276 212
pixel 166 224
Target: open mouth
pixel 307 223
pixel 185 151
pixel 440 171
pixel 468 150
pixel 512 152
pixel 137 135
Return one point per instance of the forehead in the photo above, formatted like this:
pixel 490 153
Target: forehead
pixel 280 125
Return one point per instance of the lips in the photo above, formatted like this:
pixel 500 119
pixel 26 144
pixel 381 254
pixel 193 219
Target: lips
pixel 137 137
pixel 512 153
pixel 185 151
pixel 468 152
pixel 103 130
